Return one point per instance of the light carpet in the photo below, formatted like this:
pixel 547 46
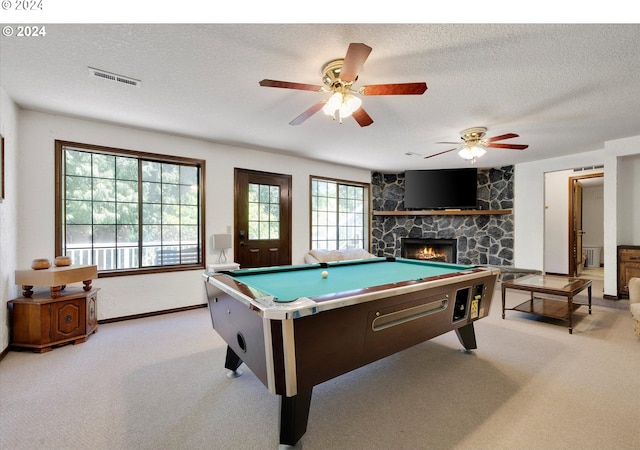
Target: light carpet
pixel 159 383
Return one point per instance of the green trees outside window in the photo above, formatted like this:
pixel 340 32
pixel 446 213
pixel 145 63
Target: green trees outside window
pixel 125 210
pixel 264 211
pixel 339 214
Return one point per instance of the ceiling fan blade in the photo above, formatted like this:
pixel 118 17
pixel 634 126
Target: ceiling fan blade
pixel 394 89
pixel 362 117
pixel 356 55
pixel 501 137
pixel 441 153
pixel 289 85
pixel 444 142
pixel 308 113
pixel 508 146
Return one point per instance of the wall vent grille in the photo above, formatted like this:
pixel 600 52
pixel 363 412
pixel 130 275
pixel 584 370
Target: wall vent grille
pixel 580 169
pixel 113 77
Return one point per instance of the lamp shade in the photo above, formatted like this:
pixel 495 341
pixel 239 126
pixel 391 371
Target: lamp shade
pixel 221 241
pixel 344 104
pixel 332 104
pixel 471 153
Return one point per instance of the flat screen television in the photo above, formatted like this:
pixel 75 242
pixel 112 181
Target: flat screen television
pixel 441 189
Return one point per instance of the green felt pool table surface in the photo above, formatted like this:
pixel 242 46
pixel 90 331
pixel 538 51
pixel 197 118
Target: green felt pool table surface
pixel 287 284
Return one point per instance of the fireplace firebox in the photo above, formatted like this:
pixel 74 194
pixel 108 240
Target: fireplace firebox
pixel 440 250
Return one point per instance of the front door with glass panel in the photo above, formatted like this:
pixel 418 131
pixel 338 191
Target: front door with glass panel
pixel 262 219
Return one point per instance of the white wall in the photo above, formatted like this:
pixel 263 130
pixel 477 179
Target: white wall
pixel 529 203
pixel 8 212
pixel 556 236
pixel 621 202
pixel 123 296
pixel 629 194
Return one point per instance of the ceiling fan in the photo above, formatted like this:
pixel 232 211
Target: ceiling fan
pixel 338 77
pixel 475 144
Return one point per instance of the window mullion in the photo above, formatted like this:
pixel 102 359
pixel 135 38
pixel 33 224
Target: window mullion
pixel 161 216
pixel 345 216
pixel 93 235
pixel 140 215
pixel 116 242
pixel 338 234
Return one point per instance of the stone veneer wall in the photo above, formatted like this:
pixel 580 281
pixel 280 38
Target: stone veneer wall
pixel 482 239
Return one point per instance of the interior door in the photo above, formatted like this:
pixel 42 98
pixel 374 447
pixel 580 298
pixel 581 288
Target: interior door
pixel 262 219
pixel 577 261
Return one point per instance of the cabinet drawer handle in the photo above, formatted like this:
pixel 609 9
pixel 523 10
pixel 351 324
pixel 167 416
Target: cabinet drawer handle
pixel 635 258
pixel 68 318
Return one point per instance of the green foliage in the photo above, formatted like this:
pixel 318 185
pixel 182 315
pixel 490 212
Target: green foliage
pixel 337 214
pixel 264 211
pixel 106 197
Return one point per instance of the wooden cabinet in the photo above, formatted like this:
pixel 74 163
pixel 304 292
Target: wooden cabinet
pixel 628 267
pixel 41 322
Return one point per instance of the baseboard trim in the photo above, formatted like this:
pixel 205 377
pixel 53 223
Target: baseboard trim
pixel 4 353
pixel 151 314
pixel 610 297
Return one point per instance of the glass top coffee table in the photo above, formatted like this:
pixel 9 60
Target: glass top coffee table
pixel 552 285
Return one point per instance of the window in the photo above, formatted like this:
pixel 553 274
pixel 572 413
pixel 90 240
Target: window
pixel 339 214
pixel 264 211
pixel 128 211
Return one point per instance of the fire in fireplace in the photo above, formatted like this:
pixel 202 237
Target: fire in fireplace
pixel 441 250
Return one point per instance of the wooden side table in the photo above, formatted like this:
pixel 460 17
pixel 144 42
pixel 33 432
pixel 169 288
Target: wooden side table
pixel 56 278
pixel 41 322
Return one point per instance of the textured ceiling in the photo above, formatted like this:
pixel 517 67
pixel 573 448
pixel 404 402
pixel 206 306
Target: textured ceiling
pixel 563 88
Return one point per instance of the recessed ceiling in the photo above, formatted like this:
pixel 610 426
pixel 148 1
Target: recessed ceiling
pixel 563 88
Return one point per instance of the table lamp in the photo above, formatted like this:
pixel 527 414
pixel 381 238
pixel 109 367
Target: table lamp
pixel 221 242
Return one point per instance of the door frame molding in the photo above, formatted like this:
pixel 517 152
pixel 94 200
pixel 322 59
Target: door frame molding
pixel 287 212
pixel 572 237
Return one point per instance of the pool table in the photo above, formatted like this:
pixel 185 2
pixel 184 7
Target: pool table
pixel 296 327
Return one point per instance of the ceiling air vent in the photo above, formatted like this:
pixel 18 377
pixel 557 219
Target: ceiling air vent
pixel 113 77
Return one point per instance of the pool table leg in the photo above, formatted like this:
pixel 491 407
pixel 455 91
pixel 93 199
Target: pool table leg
pixel 294 415
pixel 232 362
pixel 467 336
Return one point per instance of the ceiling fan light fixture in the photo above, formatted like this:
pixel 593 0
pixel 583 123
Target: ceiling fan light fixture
pixel 333 104
pixel 353 102
pixel 338 77
pixel 471 153
pixel 341 103
pixel 465 153
pixel 475 144
pixel 350 104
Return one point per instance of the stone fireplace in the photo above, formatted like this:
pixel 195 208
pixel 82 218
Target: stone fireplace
pixel 480 238
pixel 441 250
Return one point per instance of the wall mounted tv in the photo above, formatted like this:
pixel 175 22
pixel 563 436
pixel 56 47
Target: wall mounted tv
pixel 441 189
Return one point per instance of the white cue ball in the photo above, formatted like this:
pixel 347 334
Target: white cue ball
pixel 325 274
